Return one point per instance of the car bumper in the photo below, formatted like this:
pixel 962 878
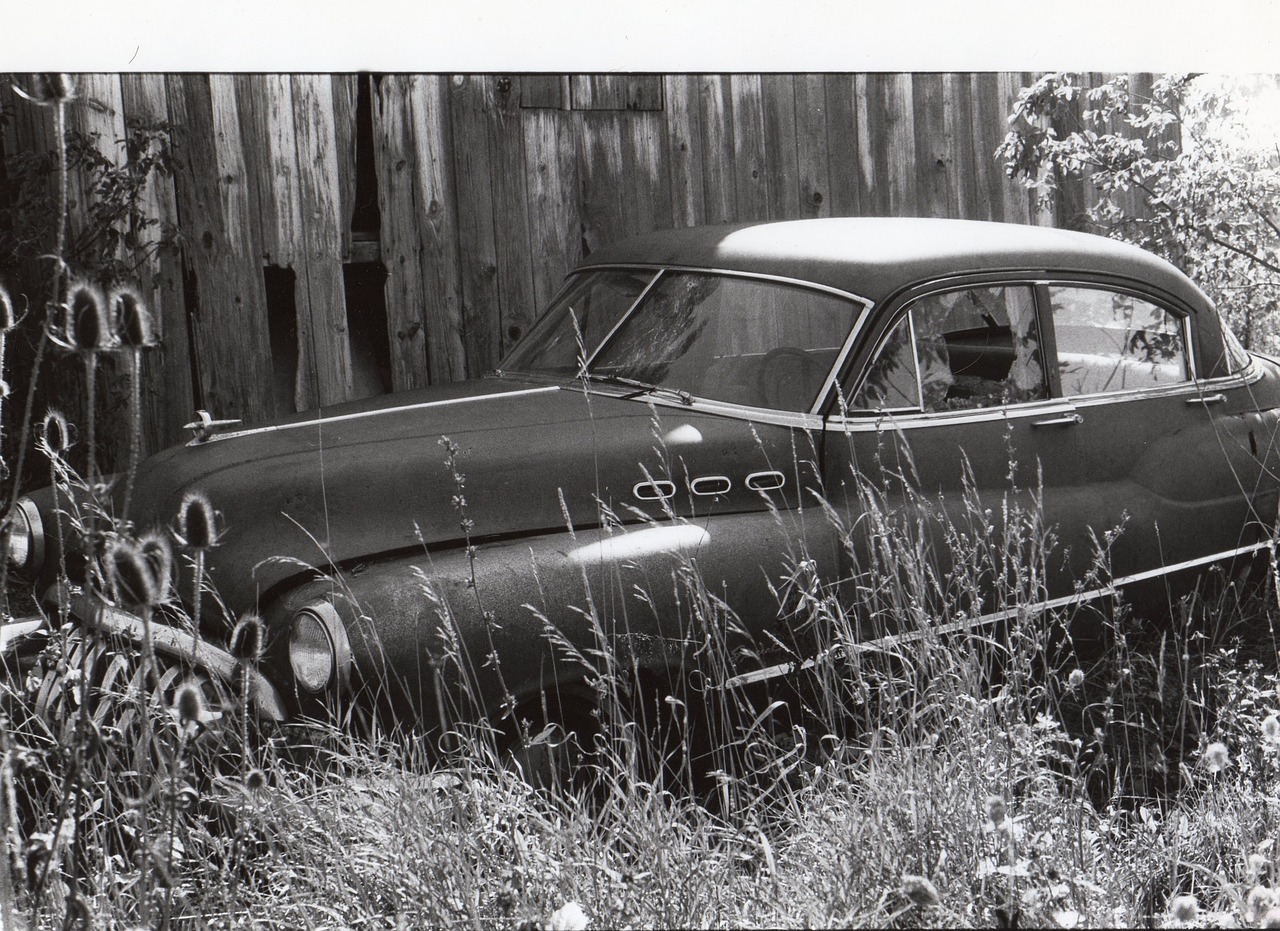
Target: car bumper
pixel 168 642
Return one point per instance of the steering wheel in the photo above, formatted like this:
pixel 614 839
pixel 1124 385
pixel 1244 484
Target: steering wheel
pixel 788 379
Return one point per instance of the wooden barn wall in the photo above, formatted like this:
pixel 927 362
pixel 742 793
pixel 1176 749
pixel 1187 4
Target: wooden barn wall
pixel 488 189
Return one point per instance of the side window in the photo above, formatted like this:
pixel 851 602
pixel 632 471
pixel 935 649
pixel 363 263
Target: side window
pixel 891 382
pixel 1109 341
pixel 972 348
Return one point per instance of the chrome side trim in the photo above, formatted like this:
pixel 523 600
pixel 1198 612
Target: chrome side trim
pixel 1076 598
pixel 769 480
pixel 707 485
pixel 321 421
pixel 654 490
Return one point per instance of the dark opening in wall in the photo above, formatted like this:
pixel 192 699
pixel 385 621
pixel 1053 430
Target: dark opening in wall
pixel 367 327
pixel 366 219
pixel 282 326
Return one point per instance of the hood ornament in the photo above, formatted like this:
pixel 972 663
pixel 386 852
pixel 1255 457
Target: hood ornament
pixel 204 426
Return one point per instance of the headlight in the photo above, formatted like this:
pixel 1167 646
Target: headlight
pixel 319 651
pixel 25 531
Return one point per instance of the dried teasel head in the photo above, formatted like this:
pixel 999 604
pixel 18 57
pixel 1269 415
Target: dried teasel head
pixel 155 550
pixel 86 325
pixel 55 434
pixel 48 88
pixel 134 325
pixel 247 638
pixel 189 708
pixel 197 527
pixel 8 318
pixel 131 575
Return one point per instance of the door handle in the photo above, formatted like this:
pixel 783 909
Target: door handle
pixel 1066 420
pixel 1208 399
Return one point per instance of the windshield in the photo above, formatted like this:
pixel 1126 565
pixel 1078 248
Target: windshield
pixel 742 340
pixel 575 325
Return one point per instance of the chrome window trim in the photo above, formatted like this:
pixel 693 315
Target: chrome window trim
pixel 889 641
pixel 586 363
pixel 833 373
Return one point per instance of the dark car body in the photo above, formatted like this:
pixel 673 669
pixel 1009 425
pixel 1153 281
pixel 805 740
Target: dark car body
pixel 745 389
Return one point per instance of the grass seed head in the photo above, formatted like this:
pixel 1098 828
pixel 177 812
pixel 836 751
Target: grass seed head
pixel 197 523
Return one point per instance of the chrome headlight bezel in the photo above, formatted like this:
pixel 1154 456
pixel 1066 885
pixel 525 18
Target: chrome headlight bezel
pixel 25 530
pixel 319 651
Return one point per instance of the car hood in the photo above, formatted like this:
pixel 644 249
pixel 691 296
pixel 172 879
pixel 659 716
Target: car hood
pixel 419 472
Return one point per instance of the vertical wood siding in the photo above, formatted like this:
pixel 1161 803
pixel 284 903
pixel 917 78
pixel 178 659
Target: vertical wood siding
pixel 489 188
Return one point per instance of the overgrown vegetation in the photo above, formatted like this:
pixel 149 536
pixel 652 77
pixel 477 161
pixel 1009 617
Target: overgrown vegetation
pixel 988 777
pixel 1175 170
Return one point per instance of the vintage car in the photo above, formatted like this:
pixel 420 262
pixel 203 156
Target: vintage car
pixel 685 445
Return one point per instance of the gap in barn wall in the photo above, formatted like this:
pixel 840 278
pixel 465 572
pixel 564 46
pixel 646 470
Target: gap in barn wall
pixel 367 328
pixel 366 218
pixel 282 326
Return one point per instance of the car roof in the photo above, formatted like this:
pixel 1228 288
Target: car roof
pixel 875 257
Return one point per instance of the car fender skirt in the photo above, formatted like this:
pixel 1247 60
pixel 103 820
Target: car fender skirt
pixel 178 644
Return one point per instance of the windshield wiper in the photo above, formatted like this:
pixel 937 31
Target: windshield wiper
pixel 642 387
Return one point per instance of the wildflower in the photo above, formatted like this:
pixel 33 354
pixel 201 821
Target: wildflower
pixel 1184 908
pixel 996 810
pixel 1258 902
pixel 133 320
pixel 56 433
pixel 568 917
pixel 247 638
pixel 1076 679
pixel 131 576
pixel 920 891
pixel 1257 864
pixel 189 709
pixel 197 527
pixel 48 89
pixel 1271 728
pixel 1216 757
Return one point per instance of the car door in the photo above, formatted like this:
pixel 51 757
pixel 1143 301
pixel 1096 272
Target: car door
pixel 958 476
pixel 1165 450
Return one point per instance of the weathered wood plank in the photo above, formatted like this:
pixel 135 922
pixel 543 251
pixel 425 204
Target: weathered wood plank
pixel 1013 200
pixel 873 174
pixel 96 112
pixel 166 370
pixel 324 374
pixel 518 301
pixel 265 104
pixel 401 247
pixel 346 93
pixel 813 178
pixel 988 130
pixel 750 178
pixel 615 91
pixel 839 145
pixel 544 91
pixel 900 149
pixel 646 182
pixel 471 104
pixel 228 308
pixel 778 102
pixel 599 140
pixel 715 118
pixel 933 157
pixel 555 235
pixel 437 219
pixel 684 150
